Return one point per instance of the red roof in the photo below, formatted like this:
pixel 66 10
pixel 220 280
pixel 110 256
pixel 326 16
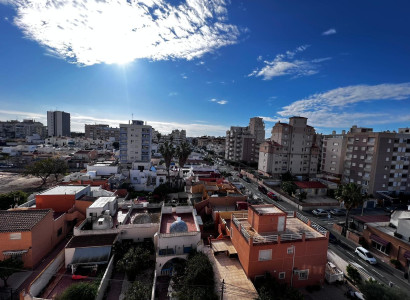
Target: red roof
pixel 310 185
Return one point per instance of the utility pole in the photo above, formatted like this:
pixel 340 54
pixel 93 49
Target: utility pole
pixel 222 289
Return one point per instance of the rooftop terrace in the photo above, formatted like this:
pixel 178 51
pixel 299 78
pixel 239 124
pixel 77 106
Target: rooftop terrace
pixel 64 190
pixel 168 219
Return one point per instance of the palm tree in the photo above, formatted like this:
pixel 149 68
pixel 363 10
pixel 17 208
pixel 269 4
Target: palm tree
pixel 351 196
pixel 167 151
pixel 182 152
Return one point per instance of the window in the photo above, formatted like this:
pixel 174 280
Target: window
pixel 265 255
pixel 59 231
pixel 15 236
pixel 364 140
pixel 335 144
pixel 303 274
pixel 282 275
pixel 290 250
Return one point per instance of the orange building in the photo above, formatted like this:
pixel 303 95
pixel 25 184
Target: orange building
pixel 288 246
pixel 30 234
pixel 61 198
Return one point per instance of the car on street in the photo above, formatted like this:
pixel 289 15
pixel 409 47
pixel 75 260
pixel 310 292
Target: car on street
pixel 320 212
pixel 351 294
pixel 247 179
pixel 338 212
pixel 262 189
pixel 333 239
pixel 365 255
pixel 272 196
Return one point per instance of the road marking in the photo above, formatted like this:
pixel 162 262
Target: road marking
pixel 377 272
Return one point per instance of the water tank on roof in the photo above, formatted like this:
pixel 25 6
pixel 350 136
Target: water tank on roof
pixel 178 226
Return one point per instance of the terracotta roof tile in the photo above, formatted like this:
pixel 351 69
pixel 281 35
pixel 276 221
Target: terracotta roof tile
pixel 21 220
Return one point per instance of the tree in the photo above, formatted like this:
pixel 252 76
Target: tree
pixel 116 145
pixel 134 261
pixel 198 281
pixel 353 274
pixel 8 200
pixel 182 152
pixel 287 176
pixel 351 196
pixel 374 290
pixel 43 169
pixel 269 288
pixel 288 187
pixel 138 291
pixel 80 291
pixel 8 267
pixel 167 151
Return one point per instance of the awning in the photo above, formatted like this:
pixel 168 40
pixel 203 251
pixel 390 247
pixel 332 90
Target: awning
pixel 15 252
pixel 407 254
pixel 379 240
pixel 91 255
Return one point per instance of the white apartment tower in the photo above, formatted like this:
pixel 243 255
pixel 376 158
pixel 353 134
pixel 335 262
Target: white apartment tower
pixel 135 142
pixel 257 129
pixel 58 123
pixel 332 159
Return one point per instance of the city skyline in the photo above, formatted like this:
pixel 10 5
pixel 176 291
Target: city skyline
pixel 204 66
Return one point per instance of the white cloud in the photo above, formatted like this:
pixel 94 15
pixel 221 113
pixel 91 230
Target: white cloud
pixel 285 64
pixel 222 102
pixel 213 100
pixel 172 94
pixel 329 31
pixel 338 107
pixel 92 32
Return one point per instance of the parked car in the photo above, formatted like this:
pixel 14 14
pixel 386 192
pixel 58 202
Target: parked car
pixel 320 212
pixel 351 294
pixel 272 196
pixel 338 212
pixel 240 175
pixel 262 189
pixel 333 239
pixel 247 179
pixel 365 255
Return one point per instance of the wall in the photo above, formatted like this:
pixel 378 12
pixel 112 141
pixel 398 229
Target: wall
pixel 105 280
pixel 241 246
pixel 24 243
pixel 45 276
pixel 82 206
pixel 44 237
pixel 59 203
pixel 68 256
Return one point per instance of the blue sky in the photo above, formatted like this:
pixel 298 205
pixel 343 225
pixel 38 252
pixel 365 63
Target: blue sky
pixel 204 66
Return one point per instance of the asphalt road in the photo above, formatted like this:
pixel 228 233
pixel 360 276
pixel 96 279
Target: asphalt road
pixel 380 272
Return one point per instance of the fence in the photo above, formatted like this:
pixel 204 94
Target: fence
pixel 105 280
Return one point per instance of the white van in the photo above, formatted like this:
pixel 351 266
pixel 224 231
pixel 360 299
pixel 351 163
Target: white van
pixel 365 255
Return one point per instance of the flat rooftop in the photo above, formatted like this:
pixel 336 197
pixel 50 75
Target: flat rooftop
pixel 64 190
pixel 168 219
pixel 267 209
pixel 101 201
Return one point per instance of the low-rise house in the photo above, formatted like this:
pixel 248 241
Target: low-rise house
pixel 30 234
pixel 312 188
pixel 145 177
pixel 179 234
pixel 287 245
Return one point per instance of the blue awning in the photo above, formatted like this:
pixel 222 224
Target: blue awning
pixel 91 255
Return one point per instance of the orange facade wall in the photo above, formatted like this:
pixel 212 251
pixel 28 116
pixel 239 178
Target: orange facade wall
pixel 265 223
pixel 82 206
pixel 42 238
pixel 309 255
pixel 7 244
pixel 59 203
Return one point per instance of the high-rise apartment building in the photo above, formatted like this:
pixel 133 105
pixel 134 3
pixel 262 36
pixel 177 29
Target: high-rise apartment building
pixel 242 143
pixel 20 130
pixel 378 161
pixel 332 156
pixel 58 123
pixel 293 147
pixel 101 132
pixel 135 142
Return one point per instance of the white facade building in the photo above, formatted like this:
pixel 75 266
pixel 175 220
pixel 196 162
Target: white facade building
pixel 135 142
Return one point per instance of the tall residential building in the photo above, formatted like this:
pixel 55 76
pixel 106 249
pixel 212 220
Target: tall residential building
pixel 135 142
pixel 20 130
pixel 378 161
pixel 101 132
pixel 58 123
pixel 332 159
pixel 293 147
pixel 242 143
pixel 257 129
